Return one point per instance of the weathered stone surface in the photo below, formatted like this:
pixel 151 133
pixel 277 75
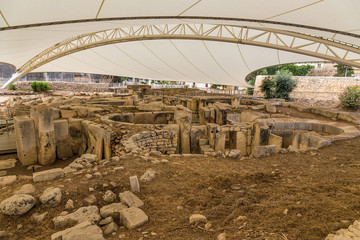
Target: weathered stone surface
pixel 82 231
pixel 112 210
pixel 51 197
pixel 109 196
pixel 69 204
pixel 133 217
pixel 90 157
pixel 197 218
pixel 17 204
pixel 6 164
pixel 275 140
pixel 26 189
pixel 25 140
pixel 90 213
pixel 148 175
pixel 48 175
pixel 106 221
pixel 221 236
pixel 130 199
pixel 110 228
pixel 260 151
pixel 134 184
pixel 233 153
pixel 7 180
pixel 37 217
pixel 63 148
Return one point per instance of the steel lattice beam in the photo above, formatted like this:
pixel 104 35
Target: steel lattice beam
pixel 263 37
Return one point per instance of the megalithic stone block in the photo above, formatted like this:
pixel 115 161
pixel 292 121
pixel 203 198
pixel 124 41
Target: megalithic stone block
pixel 44 125
pixel 25 140
pixel 75 134
pixel 63 149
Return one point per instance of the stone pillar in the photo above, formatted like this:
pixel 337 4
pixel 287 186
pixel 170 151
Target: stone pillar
pixel 75 134
pixel 183 117
pixel 25 140
pixel 211 132
pixel 240 142
pixel 220 141
pixel 44 126
pixel 261 133
pixel 63 149
pixel 275 140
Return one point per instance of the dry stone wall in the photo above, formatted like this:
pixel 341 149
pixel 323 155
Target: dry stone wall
pixel 74 87
pixel 315 88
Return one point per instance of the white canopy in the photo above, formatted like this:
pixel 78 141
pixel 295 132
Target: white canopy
pixel 207 41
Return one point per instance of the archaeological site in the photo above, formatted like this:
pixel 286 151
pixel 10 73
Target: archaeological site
pixel 179 120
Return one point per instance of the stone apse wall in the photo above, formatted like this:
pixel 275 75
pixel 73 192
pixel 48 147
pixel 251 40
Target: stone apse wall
pixel 315 88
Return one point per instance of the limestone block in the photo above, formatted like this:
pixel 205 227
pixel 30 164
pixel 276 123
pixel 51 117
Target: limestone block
pixel 240 142
pixel 260 151
pixel 68 113
pixel 275 140
pixel 48 175
pixel 220 139
pixel 133 217
pixel 25 140
pixel 90 213
pixel 130 199
pixel 261 133
pixel 144 118
pixel 63 149
pixel 75 134
pixel 84 230
pixel 112 210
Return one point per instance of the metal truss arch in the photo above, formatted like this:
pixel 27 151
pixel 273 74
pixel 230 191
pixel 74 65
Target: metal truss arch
pixel 262 37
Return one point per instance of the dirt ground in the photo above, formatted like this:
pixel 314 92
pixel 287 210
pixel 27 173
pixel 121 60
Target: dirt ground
pixel 319 189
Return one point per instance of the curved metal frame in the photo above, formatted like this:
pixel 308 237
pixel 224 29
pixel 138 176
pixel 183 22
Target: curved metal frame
pixel 263 37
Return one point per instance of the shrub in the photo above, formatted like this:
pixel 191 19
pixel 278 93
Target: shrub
pixel 12 86
pixel 351 97
pixel 284 84
pixel 40 86
pixel 268 87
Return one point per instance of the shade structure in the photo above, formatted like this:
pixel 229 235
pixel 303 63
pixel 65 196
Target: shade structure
pixel 205 41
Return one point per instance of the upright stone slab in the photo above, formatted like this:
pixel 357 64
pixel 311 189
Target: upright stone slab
pixel 44 125
pixel 75 134
pixel 183 117
pixel 63 149
pixel 25 140
pixel 220 141
pixel 275 140
pixel 240 142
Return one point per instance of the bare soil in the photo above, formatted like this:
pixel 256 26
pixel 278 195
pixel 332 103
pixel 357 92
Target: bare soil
pixel 319 189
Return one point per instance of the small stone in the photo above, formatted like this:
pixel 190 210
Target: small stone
pixel 116 159
pixel 221 236
pixel 291 149
pixel 197 218
pixel 133 217
pixel 148 175
pixel 37 217
pixel 119 168
pixel 208 226
pixel 109 196
pixel 6 164
pixel 299 215
pixel 130 199
pixel 106 221
pixel 51 197
pixel 91 189
pixel 69 204
pixel 91 199
pixel 286 211
pixel 112 210
pixel 134 184
pixel 153 234
pixel 179 208
pixel 26 189
pixel 240 218
pixel 7 180
pixel 19 226
pixel 110 228
pixel 165 161
pixel 97 174
pixel 121 236
pixel 88 176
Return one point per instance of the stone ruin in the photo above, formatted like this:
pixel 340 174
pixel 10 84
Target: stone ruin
pixel 147 121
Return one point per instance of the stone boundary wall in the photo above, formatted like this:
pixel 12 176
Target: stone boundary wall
pixel 70 86
pixel 315 88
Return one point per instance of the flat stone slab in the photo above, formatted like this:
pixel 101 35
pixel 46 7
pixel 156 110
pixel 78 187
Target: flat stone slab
pixel 112 210
pixel 6 164
pixel 83 231
pixel 130 199
pixel 83 214
pixel 133 217
pixel 48 175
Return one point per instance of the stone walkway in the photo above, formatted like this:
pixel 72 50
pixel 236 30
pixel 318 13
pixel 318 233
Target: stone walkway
pixel 351 233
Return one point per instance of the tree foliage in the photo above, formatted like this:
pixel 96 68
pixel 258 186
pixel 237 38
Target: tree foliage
pixel 344 70
pixel 268 87
pixel 279 86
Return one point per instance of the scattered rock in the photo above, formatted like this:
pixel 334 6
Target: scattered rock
pixel 155 153
pixel 88 176
pixel 286 211
pixel 90 213
pixel 240 218
pixel 291 149
pixel 130 199
pixel 48 175
pixel 6 164
pixel 7 180
pixel 51 197
pixel 109 196
pixel 197 218
pixel 37 217
pixel 26 189
pixel 133 217
pixel 233 153
pixel 208 226
pixel 76 166
pixel 221 236
pixel 89 157
pixel 165 161
pixel 119 168
pixel 68 170
pixel 69 205
pixel 91 189
pixel 82 231
pixel 110 228
pixel 112 210
pixel 148 175
pixel 91 199
pixel 116 159
pixel 98 174
pixel 106 221
pixel 134 184
pixel 17 204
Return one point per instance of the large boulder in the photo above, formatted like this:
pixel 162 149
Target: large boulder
pixel 17 204
pixel 82 231
pixel 83 214
pixel 51 197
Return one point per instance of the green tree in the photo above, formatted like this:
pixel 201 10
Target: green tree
pixel 344 70
pixel 268 87
pixel 284 84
